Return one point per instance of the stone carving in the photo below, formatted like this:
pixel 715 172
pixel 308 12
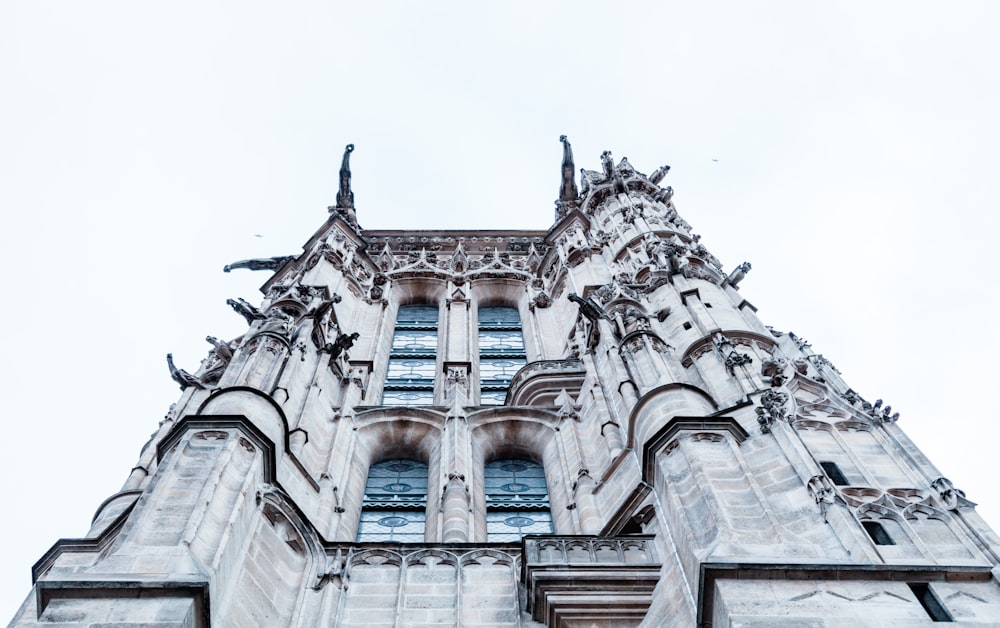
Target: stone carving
pixel 569 196
pixel 590 310
pixel 702 253
pixel 345 197
pixel 735 359
pixel 607 164
pixel 822 492
pixel 772 408
pixel 459 261
pixel 949 496
pixel 668 255
pixel 457 376
pixel 340 345
pixel 246 310
pixel 738 274
pixel 658 175
pixel 324 323
pixel 267 263
pixel 634 320
pixel 852 397
pixel 541 300
pixel 773 370
pixel 801 343
pixel 720 341
pixel 880 413
pixel 214 365
pixel 277 322
pixel 181 376
pixel 819 360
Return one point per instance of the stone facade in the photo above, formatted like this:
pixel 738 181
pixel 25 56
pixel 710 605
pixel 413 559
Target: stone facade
pixel 699 468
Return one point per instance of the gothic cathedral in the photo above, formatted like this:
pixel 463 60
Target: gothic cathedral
pixel 584 426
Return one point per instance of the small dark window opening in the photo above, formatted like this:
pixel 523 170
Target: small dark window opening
pixel 935 610
pixel 708 305
pixel 878 533
pixel 834 473
pixel 687 326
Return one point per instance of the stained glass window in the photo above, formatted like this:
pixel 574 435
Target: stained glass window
pixel 501 352
pixel 409 379
pixel 395 502
pixel 517 500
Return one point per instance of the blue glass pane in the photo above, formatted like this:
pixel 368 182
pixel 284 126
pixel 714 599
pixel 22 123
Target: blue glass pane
pixel 493 397
pixel 506 526
pixel 395 502
pixel 499 341
pixel 411 370
pixel 403 526
pixel 397 477
pixel 416 397
pixel 498 371
pixel 417 316
pixel 414 341
pixel 502 317
pixel 515 483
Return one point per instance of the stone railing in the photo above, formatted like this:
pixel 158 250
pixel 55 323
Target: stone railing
pixel 611 577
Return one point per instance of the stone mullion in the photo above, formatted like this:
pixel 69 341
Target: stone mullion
pixel 342 444
pixel 456 504
pixel 583 485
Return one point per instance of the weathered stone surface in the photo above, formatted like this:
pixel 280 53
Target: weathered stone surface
pixel 698 467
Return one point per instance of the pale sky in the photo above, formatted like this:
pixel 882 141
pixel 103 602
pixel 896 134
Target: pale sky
pixel 847 150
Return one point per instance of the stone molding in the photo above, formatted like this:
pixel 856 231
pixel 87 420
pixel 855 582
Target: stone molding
pixel 668 432
pixel 710 572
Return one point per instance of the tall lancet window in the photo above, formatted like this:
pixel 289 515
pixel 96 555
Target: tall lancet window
pixel 501 352
pixel 395 503
pixel 409 380
pixel 517 500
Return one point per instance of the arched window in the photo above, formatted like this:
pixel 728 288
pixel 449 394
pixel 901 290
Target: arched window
pixel 501 352
pixel 395 502
pixel 409 380
pixel 517 500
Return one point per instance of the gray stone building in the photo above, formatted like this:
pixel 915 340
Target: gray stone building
pixel 584 426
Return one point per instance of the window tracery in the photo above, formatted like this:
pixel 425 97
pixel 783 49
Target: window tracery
pixel 517 500
pixel 501 352
pixel 409 379
pixel 395 502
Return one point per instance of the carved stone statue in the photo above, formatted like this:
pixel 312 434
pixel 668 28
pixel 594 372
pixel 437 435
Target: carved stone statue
pixel 772 408
pixel 591 310
pixel 607 164
pixel 738 274
pixel 246 310
pixel 340 345
pixel 324 323
pixel 181 376
pixel 567 191
pixel 215 363
pixel 266 263
pixel 345 197
pixel 658 175
pixel 773 370
pixel 633 320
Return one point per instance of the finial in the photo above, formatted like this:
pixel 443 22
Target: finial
pixel 345 197
pixel 568 191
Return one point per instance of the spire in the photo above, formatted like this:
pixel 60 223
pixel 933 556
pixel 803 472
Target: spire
pixel 345 197
pixel 567 192
pixel 569 197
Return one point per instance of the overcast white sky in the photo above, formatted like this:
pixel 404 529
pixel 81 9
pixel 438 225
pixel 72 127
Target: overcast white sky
pixel 848 150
